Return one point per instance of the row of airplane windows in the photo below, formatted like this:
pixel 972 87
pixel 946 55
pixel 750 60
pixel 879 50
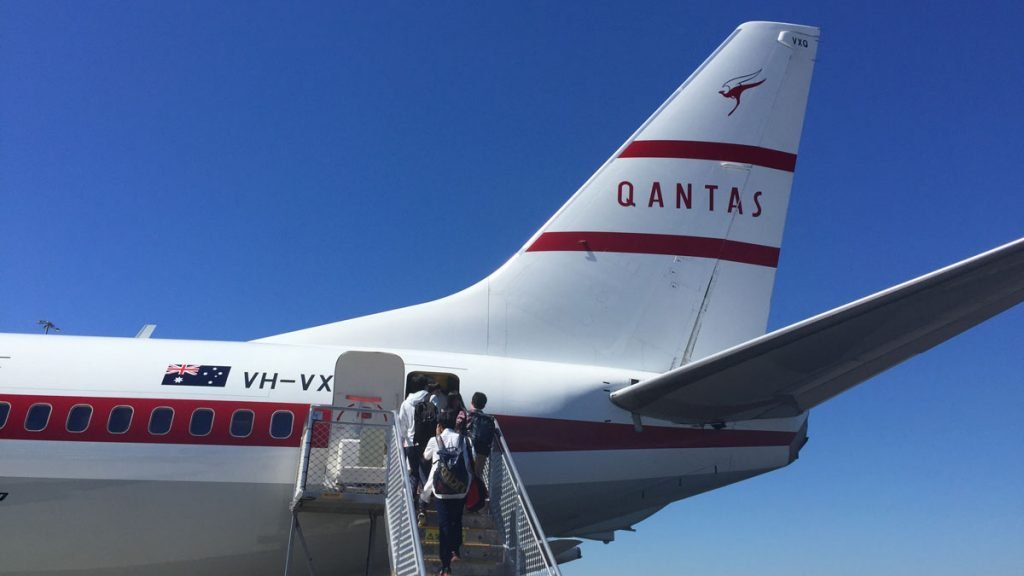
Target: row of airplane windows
pixel 160 419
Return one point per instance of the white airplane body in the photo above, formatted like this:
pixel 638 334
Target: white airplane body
pixel 223 500
pixel 622 349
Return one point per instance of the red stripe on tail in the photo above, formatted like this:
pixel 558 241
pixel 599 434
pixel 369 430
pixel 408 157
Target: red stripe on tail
pixel 720 151
pixel 666 244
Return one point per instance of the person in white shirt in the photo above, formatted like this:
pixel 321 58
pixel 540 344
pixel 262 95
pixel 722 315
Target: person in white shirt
pixel 449 506
pixel 407 424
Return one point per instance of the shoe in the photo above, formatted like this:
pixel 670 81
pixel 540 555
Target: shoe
pixel 421 520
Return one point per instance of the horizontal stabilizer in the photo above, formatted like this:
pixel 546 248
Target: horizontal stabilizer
pixel 788 371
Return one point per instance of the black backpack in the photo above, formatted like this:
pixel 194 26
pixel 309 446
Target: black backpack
pixel 424 421
pixel 481 432
pixel 452 473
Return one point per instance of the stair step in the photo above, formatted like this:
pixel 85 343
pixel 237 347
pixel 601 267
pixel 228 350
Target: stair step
pixel 463 568
pixel 431 535
pixel 469 519
pixel 471 553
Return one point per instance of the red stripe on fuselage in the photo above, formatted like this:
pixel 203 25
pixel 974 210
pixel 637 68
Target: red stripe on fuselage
pixel 720 151
pixel 663 244
pixel 523 433
pixel 528 434
pixel 138 431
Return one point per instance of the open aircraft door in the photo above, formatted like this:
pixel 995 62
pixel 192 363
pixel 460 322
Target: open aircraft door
pixel 368 390
pixel 368 380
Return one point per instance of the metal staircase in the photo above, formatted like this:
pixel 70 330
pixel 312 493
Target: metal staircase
pixel 352 465
pixel 503 539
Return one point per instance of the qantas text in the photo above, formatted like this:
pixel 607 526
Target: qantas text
pixel 711 197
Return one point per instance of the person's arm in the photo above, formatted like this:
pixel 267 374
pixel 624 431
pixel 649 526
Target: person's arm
pixel 430 450
pixel 405 421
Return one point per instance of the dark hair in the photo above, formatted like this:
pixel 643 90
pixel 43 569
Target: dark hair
pixel 447 418
pixel 455 402
pixel 479 400
pixel 417 382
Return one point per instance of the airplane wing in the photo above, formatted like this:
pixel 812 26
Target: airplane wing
pixel 795 368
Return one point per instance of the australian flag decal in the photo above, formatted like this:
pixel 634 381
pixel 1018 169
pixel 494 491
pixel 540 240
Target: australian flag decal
pixel 196 375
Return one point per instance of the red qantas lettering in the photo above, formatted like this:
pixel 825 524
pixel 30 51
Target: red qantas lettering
pixel 711 196
pixel 626 194
pixel 656 195
pixel 684 197
pixel 734 201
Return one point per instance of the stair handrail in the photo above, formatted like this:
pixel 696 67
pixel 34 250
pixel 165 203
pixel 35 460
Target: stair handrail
pixel 303 471
pixel 550 566
pixel 400 511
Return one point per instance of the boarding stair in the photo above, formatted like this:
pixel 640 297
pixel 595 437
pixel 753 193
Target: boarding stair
pixel 352 467
pixel 504 538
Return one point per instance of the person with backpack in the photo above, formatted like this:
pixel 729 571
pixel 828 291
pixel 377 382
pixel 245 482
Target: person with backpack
pixel 480 429
pixel 449 479
pixel 417 418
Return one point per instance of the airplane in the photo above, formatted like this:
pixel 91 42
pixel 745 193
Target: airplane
pixel 622 347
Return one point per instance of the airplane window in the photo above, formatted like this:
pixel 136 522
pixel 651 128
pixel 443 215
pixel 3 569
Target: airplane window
pixel 120 419
pixel 79 417
pixel 38 416
pixel 241 423
pixel 5 409
pixel 201 423
pixel 160 420
pixel 281 424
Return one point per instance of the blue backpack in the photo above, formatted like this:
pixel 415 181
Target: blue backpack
pixel 452 474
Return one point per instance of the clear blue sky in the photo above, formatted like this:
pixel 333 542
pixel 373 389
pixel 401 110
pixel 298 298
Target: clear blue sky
pixel 232 170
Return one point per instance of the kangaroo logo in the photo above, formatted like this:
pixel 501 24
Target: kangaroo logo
pixel 735 87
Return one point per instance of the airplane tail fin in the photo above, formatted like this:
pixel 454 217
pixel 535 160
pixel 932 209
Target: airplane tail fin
pixel 666 254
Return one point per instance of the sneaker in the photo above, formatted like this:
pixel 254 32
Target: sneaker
pixel 421 519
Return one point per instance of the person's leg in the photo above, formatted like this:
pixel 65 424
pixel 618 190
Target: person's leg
pixel 455 524
pixel 414 454
pixel 444 534
pixel 479 464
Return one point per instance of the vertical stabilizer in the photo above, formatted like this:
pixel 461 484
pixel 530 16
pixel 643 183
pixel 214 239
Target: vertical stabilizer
pixel 666 254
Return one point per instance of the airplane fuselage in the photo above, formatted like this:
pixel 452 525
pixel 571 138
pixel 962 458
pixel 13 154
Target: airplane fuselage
pixel 148 496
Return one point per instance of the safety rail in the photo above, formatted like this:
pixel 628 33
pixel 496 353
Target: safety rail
pixel 514 517
pixel 352 459
pixel 403 536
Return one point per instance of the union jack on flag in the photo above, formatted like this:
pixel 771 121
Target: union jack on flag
pixel 196 375
pixel 192 369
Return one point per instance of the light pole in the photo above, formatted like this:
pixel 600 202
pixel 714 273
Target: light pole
pixel 46 324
